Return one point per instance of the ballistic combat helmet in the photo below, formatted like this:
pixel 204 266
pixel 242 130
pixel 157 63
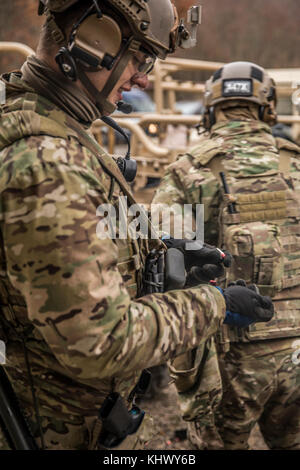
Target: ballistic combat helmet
pixel 141 15
pixel 98 40
pixel 241 81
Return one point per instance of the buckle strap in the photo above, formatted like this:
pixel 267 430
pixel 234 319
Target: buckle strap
pixel 56 32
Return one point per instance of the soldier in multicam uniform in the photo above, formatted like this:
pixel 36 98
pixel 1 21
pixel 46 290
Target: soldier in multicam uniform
pixel 259 223
pixel 75 323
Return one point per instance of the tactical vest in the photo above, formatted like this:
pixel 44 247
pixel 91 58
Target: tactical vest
pixel 263 236
pixel 21 121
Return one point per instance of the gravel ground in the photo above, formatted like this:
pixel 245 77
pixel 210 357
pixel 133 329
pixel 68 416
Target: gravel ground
pixel 170 428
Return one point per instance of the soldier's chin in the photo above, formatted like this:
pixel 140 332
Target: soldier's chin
pixel 113 103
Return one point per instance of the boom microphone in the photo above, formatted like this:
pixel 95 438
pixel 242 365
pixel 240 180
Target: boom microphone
pixel 125 108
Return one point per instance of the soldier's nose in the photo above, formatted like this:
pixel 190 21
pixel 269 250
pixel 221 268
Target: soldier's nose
pixel 140 79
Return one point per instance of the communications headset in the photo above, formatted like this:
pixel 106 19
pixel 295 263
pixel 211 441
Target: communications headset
pixel 96 41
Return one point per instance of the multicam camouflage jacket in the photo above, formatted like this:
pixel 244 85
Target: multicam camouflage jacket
pixel 72 297
pixel 263 175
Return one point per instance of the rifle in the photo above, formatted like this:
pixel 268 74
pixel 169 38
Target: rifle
pixel 11 415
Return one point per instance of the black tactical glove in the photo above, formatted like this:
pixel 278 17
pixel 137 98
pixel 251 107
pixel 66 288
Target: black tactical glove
pixel 241 282
pixel 203 262
pixel 247 302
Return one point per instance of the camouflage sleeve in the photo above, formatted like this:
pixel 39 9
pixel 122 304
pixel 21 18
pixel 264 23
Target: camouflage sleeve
pixel 182 184
pixel 74 292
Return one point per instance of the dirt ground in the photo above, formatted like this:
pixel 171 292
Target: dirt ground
pixel 170 429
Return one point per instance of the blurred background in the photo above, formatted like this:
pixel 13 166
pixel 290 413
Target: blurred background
pixel 165 117
pixel 261 31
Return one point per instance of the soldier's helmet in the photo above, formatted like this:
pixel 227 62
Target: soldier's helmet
pixel 243 81
pixel 108 35
pixel 153 22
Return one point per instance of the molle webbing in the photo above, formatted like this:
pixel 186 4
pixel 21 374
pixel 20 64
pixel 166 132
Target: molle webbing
pixel 262 206
pixel 285 282
pixel 264 239
pixel 263 236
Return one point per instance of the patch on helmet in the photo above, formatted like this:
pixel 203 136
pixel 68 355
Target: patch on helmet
pixel 237 87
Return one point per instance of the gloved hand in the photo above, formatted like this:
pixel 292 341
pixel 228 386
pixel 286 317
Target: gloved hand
pixel 235 319
pixel 241 282
pixel 203 262
pixel 247 302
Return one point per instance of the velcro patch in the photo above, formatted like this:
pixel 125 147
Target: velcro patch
pixel 237 87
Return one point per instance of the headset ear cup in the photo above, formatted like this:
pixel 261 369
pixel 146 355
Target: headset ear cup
pixel 268 115
pixel 209 118
pixel 261 113
pixel 66 64
pixel 212 116
pixel 97 41
pixel 205 120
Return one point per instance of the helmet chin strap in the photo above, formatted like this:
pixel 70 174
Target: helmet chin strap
pixel 103 105
pixel 100 97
